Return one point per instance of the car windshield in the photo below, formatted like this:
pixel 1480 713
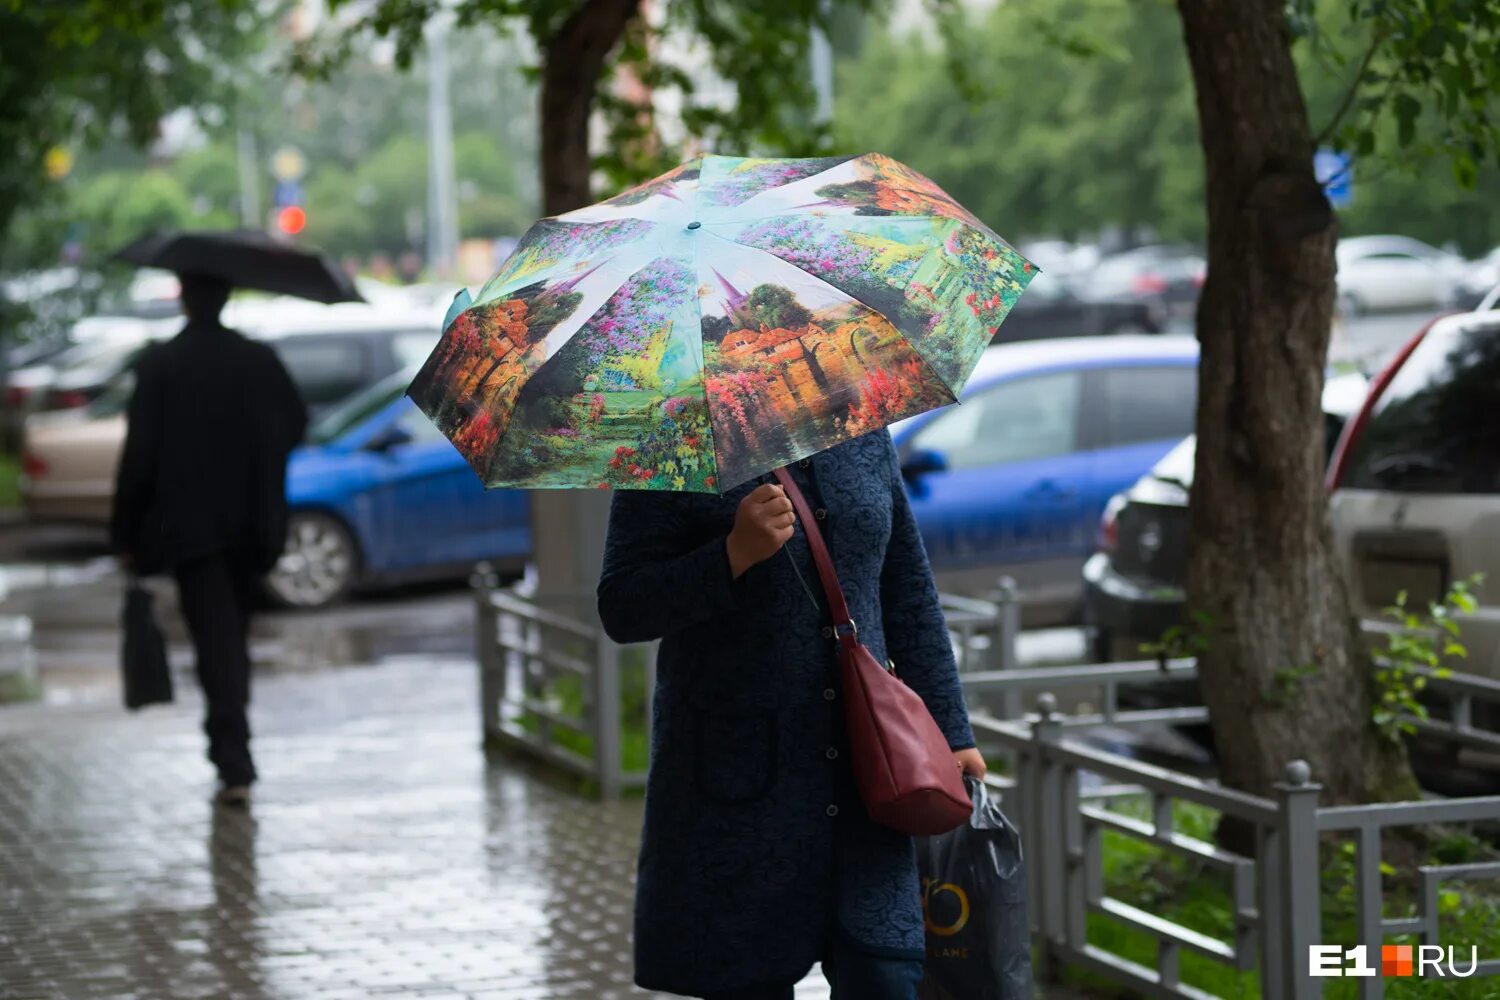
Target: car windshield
pixel 1177 466
pixel 358 408
pixel 1436 428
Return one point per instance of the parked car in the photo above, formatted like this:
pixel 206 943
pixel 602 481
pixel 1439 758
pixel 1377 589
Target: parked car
pixel 1394 272
pixel 1416 481
pixel 1490 301
pixel 1055 307
pixel 1172 275
pixel 69 459
pixel 1480 280
pixel 378 494
pixel 1012 480
pixel 1134 584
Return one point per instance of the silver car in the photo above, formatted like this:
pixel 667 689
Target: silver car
pixel 1416 478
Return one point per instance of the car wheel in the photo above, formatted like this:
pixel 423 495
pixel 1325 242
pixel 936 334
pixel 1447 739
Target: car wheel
pixel 319 566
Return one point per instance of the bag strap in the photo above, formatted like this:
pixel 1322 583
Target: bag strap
pixel 821 559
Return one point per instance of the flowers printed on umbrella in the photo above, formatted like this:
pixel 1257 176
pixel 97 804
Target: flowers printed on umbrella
pixel 748 177
pixel 699 370
pixel 785 378
pixel 484 360
pixel 552 243
pixel 614 405
pixel 682 175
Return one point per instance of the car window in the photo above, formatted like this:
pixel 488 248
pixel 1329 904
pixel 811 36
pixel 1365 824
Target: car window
pixel 355 410
pixel 1016 421
pixel 1395 255
pixel 1148 404
pixel 1436 428
pixel 420 427
pixel 325 369
pixel 411 349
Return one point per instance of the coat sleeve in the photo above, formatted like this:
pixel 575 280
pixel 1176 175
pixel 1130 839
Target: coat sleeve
pixel 916 633
pixel 660 575
pixel 136 477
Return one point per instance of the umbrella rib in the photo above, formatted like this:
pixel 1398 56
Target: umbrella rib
pixel 952 396
pixel 505 431
pixel 702 348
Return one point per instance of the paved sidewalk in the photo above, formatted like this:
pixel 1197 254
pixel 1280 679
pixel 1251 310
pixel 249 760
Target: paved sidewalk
pixel 383 856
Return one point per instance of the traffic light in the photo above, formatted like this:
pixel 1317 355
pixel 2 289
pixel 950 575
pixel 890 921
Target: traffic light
pixel 291 219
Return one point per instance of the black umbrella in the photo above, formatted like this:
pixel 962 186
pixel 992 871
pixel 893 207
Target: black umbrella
pixel 246 258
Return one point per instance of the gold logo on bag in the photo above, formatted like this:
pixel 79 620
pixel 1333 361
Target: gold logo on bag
pixel 930 889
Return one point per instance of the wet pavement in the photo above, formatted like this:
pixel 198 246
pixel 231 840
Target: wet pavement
pixel 384 854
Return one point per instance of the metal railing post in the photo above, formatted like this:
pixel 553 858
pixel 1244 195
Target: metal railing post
pixel 1299 922
pixel 1003 655
pixel 487 640
pixel 1046 845
pixel 606 718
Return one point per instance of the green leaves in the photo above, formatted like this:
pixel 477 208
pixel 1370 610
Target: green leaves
pixel 1433 75
pixel 1419 641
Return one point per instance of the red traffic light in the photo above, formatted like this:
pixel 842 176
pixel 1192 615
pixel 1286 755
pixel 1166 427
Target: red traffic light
pixel 291 220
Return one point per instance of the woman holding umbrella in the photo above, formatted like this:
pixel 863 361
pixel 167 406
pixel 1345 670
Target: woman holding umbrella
pixel 683 343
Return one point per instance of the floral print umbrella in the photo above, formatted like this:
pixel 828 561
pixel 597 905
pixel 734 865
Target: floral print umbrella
pixel 729 317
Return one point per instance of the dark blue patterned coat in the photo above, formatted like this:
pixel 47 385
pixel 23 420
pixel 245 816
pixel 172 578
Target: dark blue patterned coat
pixel 756 847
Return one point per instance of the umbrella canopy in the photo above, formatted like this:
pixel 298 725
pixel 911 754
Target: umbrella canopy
pixel 246 258
pixel 726 318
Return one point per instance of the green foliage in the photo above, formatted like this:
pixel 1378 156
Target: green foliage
pixel 1200 897
pixel 10 487
pixel 1061 141
pixel 1188 639
pixel 1420 641
pixel 762 49
pixel 1421 78
pixel 76 72
pixel 1286 682
pixel 775 306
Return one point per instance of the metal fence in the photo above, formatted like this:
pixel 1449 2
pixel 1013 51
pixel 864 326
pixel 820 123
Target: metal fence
pixel 552 686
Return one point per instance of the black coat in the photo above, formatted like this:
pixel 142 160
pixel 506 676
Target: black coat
pixel 212 421
pixel 756 847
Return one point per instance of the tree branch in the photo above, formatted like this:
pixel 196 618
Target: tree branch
pixel 1348 100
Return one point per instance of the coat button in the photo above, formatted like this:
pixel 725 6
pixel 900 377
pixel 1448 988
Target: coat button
pixel 832 753
pixel 829 694
pixel 806 463
pixel 820 514
pixel 828 631
pixel 832 810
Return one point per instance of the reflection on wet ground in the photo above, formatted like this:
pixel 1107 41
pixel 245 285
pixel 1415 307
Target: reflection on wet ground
pixel 384 854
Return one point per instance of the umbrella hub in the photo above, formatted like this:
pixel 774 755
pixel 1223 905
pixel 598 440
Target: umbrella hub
pixel 695 224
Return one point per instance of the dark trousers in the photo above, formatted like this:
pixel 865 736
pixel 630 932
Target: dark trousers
pixel 854 975
pixel 217 594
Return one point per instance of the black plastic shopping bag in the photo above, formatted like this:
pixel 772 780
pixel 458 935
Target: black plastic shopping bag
pixel 974 901
pixel 143 657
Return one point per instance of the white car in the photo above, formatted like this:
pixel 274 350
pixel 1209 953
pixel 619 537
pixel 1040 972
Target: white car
pixel 1395 272
pixel 1416 481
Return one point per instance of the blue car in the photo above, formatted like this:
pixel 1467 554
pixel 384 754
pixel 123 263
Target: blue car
pixel 1013 478
pixel 378 495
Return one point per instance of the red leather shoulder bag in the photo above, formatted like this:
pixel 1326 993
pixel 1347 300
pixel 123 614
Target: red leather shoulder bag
pixel 901 761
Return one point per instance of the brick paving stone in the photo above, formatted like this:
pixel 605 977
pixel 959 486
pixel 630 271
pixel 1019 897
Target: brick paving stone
pixel 384 856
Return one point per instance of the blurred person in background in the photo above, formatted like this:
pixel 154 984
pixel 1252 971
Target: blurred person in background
pixel 201 494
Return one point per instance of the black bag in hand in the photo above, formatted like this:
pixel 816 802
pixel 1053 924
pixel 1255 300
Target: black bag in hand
pixel 974 901
pixel 143 658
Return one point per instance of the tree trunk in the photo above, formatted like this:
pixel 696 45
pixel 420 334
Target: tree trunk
pixel 1282 673
pixel 573 63
pixel 568 529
